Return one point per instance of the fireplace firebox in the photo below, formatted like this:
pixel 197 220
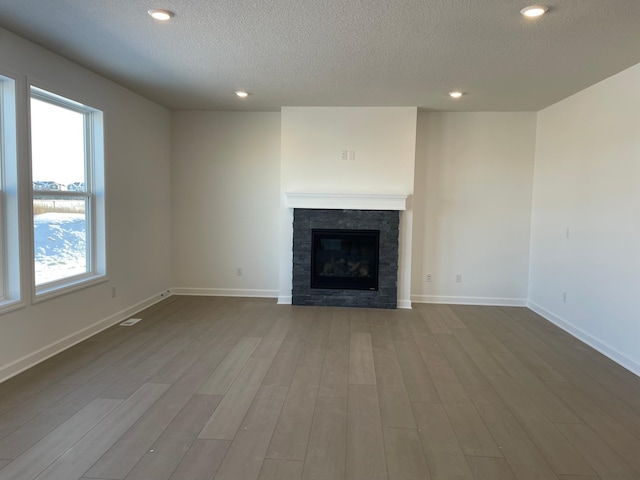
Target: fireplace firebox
pixel 344 259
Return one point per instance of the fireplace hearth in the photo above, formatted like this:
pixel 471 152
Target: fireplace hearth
pixel 345 257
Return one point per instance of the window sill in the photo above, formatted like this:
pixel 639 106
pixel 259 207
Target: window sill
pixel 49 292
pixel 9 305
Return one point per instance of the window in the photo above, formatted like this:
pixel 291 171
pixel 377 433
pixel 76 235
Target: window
pixel 9 225
pixel 67 173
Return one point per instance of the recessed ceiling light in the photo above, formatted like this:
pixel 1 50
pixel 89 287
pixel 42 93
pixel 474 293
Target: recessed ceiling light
pixel 533 11
pixel 242 94
pixel 455 94
pixel 162 15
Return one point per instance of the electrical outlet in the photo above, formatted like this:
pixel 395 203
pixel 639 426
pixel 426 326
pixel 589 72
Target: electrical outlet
pixel 564 297
pixel 567 232
pixel 343 155
pixel 352 155
pixel 458 278
pixel 429 278
pixel 113 292
pixel 239 271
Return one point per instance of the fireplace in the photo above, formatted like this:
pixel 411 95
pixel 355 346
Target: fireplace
pixel 344 259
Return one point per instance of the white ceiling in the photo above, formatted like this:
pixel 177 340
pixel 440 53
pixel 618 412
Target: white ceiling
pixel 339 52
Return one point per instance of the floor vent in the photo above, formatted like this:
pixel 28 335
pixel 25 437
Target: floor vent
pixel 131 321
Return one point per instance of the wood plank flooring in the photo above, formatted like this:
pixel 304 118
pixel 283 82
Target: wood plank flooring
pixel 209 388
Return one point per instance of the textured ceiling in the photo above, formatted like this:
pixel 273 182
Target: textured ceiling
pixel 340 52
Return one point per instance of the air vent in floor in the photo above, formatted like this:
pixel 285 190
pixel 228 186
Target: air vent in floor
pixel 131 321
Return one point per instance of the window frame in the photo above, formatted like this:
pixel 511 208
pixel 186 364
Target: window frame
pixel 93 196
pixel 10 251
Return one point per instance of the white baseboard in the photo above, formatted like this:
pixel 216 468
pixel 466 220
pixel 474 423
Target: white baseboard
pixel 285 300
pixel 21 364
pixel 225 292
pixel 404 304
pixel 453 300
pixel 605 349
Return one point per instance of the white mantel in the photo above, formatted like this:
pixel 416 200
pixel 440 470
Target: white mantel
pixel 347 201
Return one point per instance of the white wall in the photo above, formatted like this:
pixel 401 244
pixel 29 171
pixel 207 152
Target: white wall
pixel 383 138
pixel 384 141
pixel 472 207
pixel 138 210
pixel 587 180
pixel 226 200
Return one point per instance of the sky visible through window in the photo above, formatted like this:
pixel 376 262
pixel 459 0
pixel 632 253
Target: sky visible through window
pixel 57 144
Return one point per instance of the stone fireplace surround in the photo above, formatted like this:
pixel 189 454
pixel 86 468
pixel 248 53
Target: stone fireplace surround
pixel 352 211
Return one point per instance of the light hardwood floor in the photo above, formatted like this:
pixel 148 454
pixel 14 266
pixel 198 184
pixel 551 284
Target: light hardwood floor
pixel 244 389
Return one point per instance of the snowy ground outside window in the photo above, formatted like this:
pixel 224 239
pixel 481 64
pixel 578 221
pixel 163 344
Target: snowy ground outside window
pixel 60 245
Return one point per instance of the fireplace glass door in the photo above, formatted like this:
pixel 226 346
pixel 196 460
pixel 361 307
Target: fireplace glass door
pixel 345 259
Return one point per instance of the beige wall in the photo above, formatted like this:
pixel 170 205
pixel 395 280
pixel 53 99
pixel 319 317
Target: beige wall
pixel 587 180
pixel 138 210
pixel 225 189
pixel 472 207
